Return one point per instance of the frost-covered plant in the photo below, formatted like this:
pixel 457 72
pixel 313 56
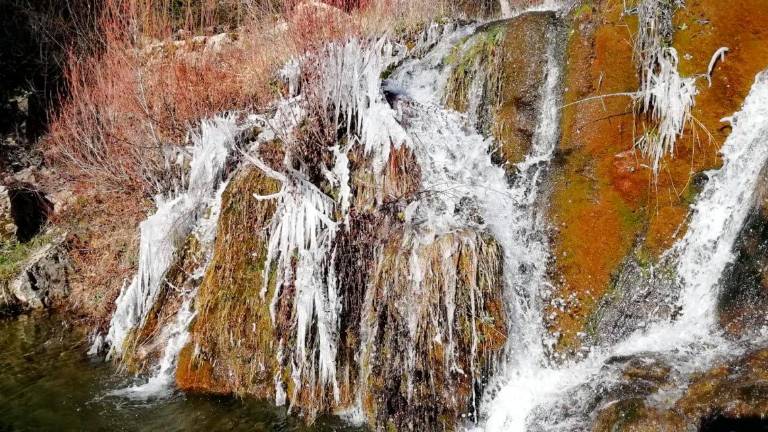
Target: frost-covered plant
pixel 299 251
pixel 665 96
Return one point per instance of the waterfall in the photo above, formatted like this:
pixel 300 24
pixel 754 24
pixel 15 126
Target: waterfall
pixel 690 343
pixel 166 230
pixel 506 9
pixel 462 190
pixel 457 169
pixel 722 209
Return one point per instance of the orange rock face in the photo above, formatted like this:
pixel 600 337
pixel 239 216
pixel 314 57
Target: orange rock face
pixel 606 203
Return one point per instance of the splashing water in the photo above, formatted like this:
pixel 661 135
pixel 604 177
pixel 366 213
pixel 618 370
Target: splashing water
pixel 163 232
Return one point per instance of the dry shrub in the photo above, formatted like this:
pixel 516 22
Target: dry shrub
pixel 103 247
pixel 137 98
pixel 128 105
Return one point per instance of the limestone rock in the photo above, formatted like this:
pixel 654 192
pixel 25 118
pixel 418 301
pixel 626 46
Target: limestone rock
pixel 42 282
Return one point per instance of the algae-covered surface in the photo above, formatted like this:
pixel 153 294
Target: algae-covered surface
pixel 49 383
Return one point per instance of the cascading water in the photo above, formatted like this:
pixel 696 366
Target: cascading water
pixel 458 173
pixel 461 189
pixel 691 343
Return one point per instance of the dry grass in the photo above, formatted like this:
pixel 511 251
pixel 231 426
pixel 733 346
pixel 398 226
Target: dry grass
pixel 139 96
pixel 103 249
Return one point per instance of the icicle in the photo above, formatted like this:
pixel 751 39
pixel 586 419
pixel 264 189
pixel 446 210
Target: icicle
pixel 163 232
pixel 718 56
pixel 342 175
pixel 506 9
pixel 351 86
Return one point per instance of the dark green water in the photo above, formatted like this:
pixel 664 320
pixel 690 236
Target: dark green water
pixel 47 383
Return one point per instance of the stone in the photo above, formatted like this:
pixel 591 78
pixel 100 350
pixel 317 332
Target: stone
pixel 42 282
pixel 744 294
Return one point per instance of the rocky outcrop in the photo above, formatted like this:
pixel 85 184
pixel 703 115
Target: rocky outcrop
pixel 730 396
pixel 522 83
pixel 406 360
pixel 42 280
pixel 511 57
pixel 605 204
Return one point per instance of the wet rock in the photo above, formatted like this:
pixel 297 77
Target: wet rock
pixel 649 368
pixel 524 65
pixel 642 293
pixel 744 292
pixel 730 396
pixel 428 379
pixel 736 389
pixel 614 400
pixel 637 416
pixel 511 57
pixel 407 358
pixel 603 204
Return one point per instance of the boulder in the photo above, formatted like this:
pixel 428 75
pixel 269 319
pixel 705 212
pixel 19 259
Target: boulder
pixel 41 282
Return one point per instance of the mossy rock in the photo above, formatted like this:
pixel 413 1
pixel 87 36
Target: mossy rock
pixel 605 202
pixel 510 57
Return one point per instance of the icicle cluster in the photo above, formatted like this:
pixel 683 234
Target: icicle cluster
pixel 664 95
pixel 301 236
pixel 166 230
pixel 350 75
pixel 302 227
pixel 668 98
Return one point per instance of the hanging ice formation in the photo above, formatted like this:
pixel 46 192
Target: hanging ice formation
pixel 165 231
